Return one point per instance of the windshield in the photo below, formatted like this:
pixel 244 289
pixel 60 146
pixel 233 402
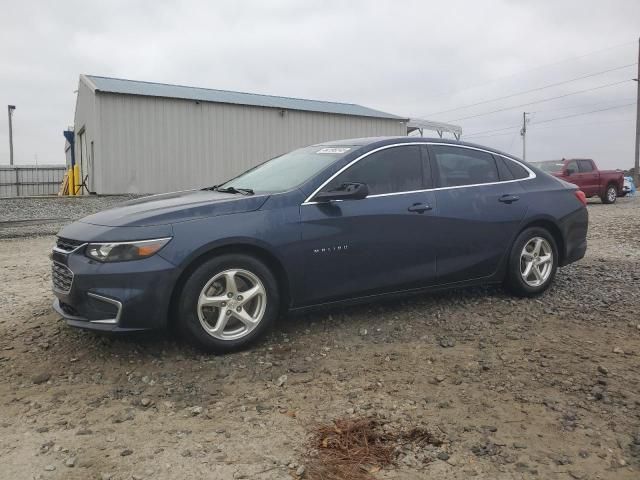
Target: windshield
pixel 552 166
pixel 289 170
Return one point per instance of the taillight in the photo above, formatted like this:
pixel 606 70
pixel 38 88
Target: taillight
pixel 581 196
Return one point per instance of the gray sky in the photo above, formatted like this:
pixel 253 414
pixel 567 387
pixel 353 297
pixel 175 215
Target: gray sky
pixel 413 58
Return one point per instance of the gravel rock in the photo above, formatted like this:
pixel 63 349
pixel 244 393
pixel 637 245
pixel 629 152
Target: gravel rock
pixel 447 342
pixel 41 378
pixel 194 411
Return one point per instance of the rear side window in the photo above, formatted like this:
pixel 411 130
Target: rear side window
pixel 503 169
pixel 517 170
pixel 572 166
pixel 463 166
pixel 585 165
pixel 392 170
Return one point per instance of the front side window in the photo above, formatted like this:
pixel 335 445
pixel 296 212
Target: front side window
pixel 392 170
pixel 290 170
pixel 462 166
pixel 585 165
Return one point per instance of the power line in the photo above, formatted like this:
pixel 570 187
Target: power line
pixel 585 113
pixel 555 126
pixel 532 69
pixel 494 130
pixel 541 101
pixel 480 134
pixel 534 89
pixel 573 107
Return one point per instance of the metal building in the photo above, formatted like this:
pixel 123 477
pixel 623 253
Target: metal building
pixel 143 137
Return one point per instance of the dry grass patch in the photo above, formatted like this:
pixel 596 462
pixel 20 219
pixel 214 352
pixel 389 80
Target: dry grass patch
pixel 354 449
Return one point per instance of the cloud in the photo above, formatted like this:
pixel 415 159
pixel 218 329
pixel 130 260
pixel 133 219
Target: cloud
pixel 409 58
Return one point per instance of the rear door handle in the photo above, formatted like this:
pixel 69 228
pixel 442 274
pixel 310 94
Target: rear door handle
pixel 419 207
pixel 509 198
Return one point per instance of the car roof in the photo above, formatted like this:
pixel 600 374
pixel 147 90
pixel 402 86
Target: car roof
pixel 381 141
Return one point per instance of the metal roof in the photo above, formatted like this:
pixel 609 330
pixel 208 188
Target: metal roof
pixel 151 89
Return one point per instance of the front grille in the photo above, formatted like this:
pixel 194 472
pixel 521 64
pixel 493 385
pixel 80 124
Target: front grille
pixel 67 245
pixel 61 277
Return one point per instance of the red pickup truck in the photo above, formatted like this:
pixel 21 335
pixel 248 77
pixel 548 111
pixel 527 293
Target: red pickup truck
pixel 583 172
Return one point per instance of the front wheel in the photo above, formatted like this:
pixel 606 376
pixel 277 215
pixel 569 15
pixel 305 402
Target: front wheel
pixel 610 195
pixel 228 302
pixel 533 262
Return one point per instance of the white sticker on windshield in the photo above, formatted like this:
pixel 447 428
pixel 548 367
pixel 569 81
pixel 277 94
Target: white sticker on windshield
pixel 334 150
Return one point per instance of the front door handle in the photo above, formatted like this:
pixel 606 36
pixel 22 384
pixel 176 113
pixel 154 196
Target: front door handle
pixel 419 207
pixel 509 198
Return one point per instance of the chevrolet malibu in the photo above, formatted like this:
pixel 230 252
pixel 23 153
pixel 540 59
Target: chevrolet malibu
pixel 338 222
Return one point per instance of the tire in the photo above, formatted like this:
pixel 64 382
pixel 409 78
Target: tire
pixel 514 280
pixel 212 297
pixel 610 195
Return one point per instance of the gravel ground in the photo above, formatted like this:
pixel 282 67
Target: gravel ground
pixel 31 216
pixel 536 388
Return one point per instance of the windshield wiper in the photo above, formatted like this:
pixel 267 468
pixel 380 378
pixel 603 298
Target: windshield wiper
pixel 243 191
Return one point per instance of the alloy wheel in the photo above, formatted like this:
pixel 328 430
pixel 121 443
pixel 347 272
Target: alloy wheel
pixel 232 304
pixel 611 194
pixel 536 262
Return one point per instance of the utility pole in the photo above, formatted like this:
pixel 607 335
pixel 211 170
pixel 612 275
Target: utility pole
pixel 636 166
pixel 10 109
pixel 523 132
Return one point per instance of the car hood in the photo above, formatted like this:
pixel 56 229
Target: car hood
pixel 175 207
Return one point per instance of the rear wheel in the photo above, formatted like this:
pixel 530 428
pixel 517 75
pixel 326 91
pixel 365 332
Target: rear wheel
pixel 533 262
pixel 228 302
pixel 610 195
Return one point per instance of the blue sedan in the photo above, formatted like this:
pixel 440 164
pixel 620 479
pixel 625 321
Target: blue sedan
pixel 346 221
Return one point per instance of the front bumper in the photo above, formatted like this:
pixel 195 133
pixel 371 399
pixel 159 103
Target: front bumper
pixel 116 297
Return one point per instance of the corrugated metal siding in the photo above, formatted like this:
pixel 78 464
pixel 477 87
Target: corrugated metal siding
pixel 30 180
pixel 150 145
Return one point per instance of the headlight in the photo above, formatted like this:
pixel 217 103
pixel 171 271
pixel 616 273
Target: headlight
pixel 122 251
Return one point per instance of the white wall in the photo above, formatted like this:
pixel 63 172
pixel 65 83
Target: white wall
pixel 152 144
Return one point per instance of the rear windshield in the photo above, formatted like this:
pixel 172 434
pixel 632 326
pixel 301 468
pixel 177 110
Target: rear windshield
pixel 289 170
pixel 553 166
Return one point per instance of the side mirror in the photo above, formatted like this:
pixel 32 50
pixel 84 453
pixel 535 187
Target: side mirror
pixel 346 191
pixel 570 171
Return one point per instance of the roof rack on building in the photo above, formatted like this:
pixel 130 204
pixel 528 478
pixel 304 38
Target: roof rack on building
pixel 420 125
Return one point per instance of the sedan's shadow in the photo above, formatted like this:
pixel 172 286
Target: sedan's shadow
pixel 294 327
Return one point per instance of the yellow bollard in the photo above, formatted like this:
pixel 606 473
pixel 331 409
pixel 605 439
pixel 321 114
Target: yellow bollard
pixel 72 189
pixel 76 179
